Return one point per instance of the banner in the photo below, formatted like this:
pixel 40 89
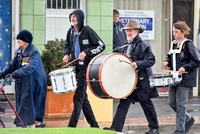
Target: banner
pixel 145 18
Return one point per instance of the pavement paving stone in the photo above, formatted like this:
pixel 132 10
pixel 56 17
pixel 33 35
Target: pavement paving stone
pixel 135 122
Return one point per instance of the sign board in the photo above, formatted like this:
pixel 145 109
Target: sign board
pixel 145 18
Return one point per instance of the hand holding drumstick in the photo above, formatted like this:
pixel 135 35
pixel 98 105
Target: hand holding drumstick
pixel 181 70
pixel 133 64
pixel 65 60
pixel 120 60
pixel 70 62
pixel 164 64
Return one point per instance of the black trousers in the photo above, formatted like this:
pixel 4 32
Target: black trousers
pixel 81 101
pixel 122 109
pixel 39 119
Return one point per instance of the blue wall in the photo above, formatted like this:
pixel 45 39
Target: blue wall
pixel 5 32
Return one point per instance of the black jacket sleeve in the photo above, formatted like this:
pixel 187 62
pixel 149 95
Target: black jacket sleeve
pixel 97 45
pixel 194 57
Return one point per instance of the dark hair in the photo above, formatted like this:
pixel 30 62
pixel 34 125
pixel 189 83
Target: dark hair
pixel 183 27
pixel 115 12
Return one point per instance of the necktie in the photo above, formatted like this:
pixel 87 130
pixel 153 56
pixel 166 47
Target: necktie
pixel 128 50
pixel 77 47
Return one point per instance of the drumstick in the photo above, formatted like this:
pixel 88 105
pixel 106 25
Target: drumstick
pixel 60 63
pixel 169 71
pixel 160 61
pixel 70 62
pixel 120 60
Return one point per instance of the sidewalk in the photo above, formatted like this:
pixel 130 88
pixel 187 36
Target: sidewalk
pixel 135 122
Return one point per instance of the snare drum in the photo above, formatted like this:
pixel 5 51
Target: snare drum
pixel 160 80
pixel 165 80
pixel 107 77
pixel 63 80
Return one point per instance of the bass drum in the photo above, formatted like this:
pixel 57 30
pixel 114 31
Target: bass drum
pixel 111 76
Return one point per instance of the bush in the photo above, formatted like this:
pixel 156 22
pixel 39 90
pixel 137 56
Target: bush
pixel 52 55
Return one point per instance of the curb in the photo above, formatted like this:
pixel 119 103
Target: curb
pixel 167 127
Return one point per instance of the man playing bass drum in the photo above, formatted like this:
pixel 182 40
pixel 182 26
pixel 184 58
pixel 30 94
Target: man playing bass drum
pixel 140 52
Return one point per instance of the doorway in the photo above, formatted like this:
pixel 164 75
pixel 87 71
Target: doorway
pixel 183 11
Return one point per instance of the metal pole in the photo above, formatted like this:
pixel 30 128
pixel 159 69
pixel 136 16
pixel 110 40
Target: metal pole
pixel 16 24
pixel 171 20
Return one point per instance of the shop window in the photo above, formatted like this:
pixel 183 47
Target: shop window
pixel 63 4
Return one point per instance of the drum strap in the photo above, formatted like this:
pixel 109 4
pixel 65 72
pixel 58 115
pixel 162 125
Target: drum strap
pixel 179 48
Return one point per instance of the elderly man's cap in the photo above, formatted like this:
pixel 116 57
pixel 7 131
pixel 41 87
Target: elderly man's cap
pixel 133 25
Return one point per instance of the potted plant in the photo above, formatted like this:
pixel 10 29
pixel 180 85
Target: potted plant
pixel 57 105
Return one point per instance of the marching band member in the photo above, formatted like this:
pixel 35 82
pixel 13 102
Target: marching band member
pixel 82 42
pixel 140 52
pixel 187 62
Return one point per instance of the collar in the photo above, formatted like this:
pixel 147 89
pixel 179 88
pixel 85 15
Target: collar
pixel 75 33
pixel 179 43
pixel 27 49
pixel 136 39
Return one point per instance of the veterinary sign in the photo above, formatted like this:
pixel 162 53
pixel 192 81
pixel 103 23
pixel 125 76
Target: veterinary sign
pixel 145 18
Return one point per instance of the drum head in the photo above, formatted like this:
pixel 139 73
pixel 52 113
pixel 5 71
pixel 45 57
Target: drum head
pixel 63 80
pixel 63 71
pixel 118 78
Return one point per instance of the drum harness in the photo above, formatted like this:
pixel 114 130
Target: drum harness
pixel 174 76
pixel 177 77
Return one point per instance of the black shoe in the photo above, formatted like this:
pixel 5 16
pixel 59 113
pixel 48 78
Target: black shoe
pixel 189 124
pixel 178 132
pixel 153 131
pixel 40 125
pixel 109 128
pixel 94 126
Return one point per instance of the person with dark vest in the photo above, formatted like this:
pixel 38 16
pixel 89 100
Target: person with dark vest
pixel 119 34
pixel 82 43
pixel 143 59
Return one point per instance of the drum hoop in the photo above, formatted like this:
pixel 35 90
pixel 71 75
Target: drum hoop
pixel 100 79
pixel 87 74
pixel 125 56
pixel 161 76
pixel 56 74
pixel 136 81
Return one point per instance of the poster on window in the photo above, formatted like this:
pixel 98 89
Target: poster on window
pixel 145 18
